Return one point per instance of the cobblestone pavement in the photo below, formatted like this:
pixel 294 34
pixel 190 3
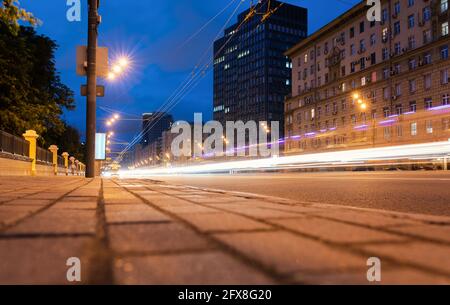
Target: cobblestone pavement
pixel 148 232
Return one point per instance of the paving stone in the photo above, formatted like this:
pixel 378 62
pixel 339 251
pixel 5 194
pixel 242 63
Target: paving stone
pixel 253 211
pixel 188 208
pixel 38 202
pixel 363 218
pixel 155 238
pixel 288 254
pixel 210 268
pixel 58 222
pixel 40 260
pixel 139 213
pixel 329 230
pixel 441 233
pixel 222 222
pixel 75 205
pixel 419 253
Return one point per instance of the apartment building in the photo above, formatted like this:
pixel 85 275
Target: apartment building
pixel 358 84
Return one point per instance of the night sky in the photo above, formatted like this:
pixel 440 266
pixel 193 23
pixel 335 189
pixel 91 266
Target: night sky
pixel 153 33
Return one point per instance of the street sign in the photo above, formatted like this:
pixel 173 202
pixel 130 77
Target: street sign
pixel 100 146
pixel 102 61
pixel 100 91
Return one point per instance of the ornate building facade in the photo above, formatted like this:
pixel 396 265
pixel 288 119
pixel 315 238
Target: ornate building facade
pixel 360 84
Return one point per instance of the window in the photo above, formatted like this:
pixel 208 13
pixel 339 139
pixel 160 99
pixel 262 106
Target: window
pixel 427 82
pixel 373 58
pixel 397 28
pixel 386 112
pixel 397 48
pixel 362 63
pixel 398 89
pixel 413 106
pixel 306 58
pixel 361 27
pixel 414 129
pixel 373 39
pixel 444 29
pixel 426 36
pixel 352 32
pixel 429 126
pixel 444 52
pixel 399 129
pixel 427 58
pixel 444 6
pixel 446 99
pixel 385 35
pixel 399 109
pixel 385 54
pixel 384 15
pixel 428 103
pixel 387 133
pixel 352 49
pixel 386 93
pixel 412 86
pixel 411 21
pixel 426 13
pixel 410 3
pixel 444 77
pixel 386 73
pixel 411 42
pixel 397 8
pixel 362 45
pixel 412 64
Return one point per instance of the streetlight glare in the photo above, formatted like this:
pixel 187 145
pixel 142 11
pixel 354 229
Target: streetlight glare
pixel 123 62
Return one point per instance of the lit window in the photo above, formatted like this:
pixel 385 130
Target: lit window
pixel 445 29
pixel 414 129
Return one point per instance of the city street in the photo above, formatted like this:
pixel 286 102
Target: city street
pixel 143 231
pixel 413 192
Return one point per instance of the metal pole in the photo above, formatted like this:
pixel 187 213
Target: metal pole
pixel 91 88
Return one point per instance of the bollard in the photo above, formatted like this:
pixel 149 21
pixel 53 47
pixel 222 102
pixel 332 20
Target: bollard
pixel 77 167
pixel 31 136
pixel 54 150
pixel 66 162
pixel 72 165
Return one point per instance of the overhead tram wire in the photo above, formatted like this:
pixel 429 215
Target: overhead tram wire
pixel 173 103
pixel 182 87
pixel 205 25
pixel 206 66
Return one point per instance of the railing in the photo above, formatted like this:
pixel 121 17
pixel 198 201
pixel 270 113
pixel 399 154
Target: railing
pixel 60 161
pixel 13 145
pixel 43 155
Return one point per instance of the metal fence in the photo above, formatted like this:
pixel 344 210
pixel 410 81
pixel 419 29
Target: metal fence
pixel 13 145
pixel 43 155
pixel 60 161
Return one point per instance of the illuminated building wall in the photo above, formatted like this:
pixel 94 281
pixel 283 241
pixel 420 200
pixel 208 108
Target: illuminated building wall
pixel 357 83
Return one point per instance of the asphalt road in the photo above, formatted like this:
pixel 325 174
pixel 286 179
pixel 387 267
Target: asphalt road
pixel 412 192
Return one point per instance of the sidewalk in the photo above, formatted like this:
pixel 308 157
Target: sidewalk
pixel 147 232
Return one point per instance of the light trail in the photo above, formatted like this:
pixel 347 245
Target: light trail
pixel 434 150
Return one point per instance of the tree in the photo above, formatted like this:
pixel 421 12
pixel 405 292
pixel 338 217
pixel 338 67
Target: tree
pixel 31 93
pixel 11 14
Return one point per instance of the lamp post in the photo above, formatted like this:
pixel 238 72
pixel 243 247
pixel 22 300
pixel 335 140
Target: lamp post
pixel 93 22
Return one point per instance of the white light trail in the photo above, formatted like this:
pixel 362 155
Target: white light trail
pixel 403 152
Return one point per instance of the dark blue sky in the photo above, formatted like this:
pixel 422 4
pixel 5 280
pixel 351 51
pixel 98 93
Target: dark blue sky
pixel 152 32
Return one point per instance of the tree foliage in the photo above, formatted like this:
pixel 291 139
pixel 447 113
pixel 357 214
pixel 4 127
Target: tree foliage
pixel 11 14
pixel 32 95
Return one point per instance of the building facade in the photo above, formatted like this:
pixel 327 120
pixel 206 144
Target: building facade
pixel 251 74
pixel 361 84
pixel 153 125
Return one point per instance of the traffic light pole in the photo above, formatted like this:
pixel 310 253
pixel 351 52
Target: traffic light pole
pixel 91 87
